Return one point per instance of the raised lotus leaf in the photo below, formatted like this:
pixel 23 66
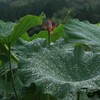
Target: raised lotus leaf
pixel 9 32
pixel 82 32
pixel 61 69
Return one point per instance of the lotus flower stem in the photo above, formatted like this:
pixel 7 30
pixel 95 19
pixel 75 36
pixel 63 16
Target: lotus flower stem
pixel 6 82
pixel 49 37
pixel 11 72
pixel 49 27
pixel 5 74
pixel 78 95
pixel 55 98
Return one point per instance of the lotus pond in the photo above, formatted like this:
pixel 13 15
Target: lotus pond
pixel 61 62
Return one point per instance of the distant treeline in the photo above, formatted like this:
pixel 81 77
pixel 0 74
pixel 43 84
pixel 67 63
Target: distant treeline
pixel 82 9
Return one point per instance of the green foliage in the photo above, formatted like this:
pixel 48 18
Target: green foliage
pixel 9 37
pixel 55 34
pixel 67 69
pixel 0 63
pixel 82 33
pixel 24 24
pixel 59 69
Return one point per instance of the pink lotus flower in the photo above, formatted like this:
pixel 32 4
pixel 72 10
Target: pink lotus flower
pixel 49 27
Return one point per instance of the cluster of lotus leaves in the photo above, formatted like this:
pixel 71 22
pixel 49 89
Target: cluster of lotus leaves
pixel 63 68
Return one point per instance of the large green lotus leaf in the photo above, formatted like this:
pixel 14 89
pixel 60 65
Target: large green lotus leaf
pixel 21 27
pixel 59 69
pixel 82 32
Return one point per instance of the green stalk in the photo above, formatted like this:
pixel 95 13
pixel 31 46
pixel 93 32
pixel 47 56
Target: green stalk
pixel 48 97
pixel 5 74
pixel 11 72
pixel 49 37
pixel 78 95
pixel 6 82
pixel 55 98
pixel 12 55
